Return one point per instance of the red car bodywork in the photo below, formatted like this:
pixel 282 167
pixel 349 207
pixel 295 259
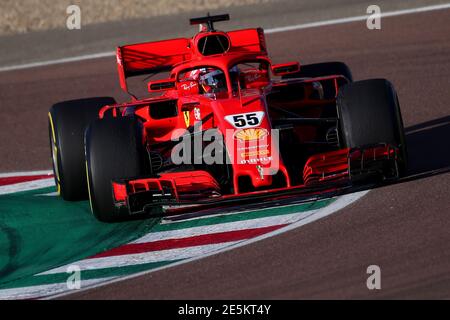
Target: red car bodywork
pixel 324 168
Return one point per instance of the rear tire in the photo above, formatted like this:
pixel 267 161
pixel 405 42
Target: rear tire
pixel 114 149
pixel 67 123
pixel 369 113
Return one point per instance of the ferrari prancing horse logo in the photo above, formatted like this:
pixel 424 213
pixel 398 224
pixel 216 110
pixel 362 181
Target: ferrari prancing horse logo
pixel 187 118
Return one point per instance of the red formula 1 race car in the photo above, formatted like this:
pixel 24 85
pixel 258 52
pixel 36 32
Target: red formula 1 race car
pixel 225 126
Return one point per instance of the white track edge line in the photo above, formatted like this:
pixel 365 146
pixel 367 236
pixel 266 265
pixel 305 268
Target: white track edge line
pixel 358 18
pixel 268 31
pixel 26 173
pixel 57 61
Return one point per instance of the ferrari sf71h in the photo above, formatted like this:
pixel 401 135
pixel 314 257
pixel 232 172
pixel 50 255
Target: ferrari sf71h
pixel 225 125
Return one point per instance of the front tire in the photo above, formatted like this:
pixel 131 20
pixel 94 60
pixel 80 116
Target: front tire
pixel 115 148
pixel 369 113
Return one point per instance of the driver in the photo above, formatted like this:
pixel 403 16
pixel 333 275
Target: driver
pixel 212 81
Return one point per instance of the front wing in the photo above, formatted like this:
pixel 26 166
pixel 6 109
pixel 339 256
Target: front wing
pixel 324 175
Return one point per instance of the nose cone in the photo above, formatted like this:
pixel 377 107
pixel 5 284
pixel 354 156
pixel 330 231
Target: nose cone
pixel 252 145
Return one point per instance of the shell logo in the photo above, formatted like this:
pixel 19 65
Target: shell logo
pixel 250 134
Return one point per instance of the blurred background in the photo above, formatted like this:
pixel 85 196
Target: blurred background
pixel 32 15
pixel 35 30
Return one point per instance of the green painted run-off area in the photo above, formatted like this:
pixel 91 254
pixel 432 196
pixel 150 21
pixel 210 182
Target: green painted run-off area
pixel 40 232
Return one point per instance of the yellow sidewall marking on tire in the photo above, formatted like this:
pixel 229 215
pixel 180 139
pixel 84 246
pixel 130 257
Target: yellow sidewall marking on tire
pixel 88 187
pixel 55 155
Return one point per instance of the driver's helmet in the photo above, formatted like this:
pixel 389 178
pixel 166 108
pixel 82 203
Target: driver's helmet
pixel 212 80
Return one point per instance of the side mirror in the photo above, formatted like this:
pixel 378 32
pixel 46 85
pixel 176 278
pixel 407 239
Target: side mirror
pixel 283 69
pixel 161 85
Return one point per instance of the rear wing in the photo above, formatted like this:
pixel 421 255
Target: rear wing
pixel 152 57
pixel 248 40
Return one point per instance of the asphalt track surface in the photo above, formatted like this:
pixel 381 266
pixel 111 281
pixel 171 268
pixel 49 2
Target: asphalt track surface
pixel 403 228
